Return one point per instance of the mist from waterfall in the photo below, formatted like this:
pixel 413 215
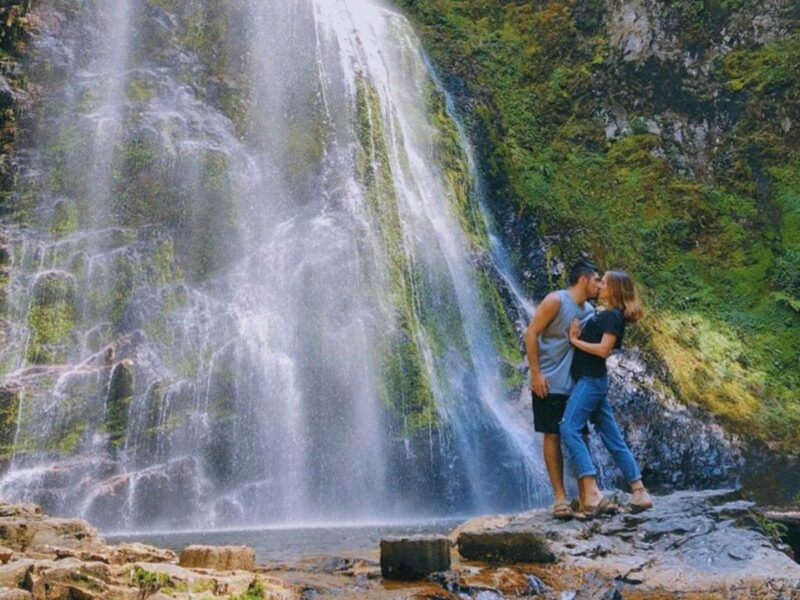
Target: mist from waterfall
pixel 251 280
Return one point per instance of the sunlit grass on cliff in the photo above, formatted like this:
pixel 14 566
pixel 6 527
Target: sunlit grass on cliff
pixel 716 247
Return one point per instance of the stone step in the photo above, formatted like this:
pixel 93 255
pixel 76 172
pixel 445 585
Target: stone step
pixel 505 546
pixel 414 557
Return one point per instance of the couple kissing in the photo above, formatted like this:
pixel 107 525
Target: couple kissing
pixel 567 344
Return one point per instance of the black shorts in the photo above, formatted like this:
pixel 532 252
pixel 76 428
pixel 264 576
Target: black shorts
pixel 548 412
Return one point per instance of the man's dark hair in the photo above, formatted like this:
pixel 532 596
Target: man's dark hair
pixel 579 269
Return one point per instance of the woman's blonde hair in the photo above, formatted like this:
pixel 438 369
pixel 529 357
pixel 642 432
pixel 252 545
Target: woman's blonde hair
pixel 622 295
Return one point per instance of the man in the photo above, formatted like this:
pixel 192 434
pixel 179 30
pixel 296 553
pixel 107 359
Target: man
pixel 550 359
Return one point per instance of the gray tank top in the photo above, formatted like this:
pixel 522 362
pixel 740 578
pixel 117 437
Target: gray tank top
pixel 555 351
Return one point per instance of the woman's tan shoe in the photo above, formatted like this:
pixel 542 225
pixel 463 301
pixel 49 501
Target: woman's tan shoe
pixel 640 500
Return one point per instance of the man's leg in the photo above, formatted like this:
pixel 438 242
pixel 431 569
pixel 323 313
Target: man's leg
pixel 554 461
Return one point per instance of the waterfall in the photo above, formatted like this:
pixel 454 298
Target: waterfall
pixel 250 276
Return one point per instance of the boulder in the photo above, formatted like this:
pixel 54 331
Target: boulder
pixel 13 574
pixel 9 594
pixel 68 578
pixel 23 534
pixel 130 553
pixel 220 558
pixel 166 492
pixel 415 557
pixel 109 501
pixel 20 510
pixel 505 546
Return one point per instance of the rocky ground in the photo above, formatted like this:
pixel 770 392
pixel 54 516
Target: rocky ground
pixel 693 545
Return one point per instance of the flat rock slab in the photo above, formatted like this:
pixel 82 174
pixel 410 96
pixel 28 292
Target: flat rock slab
pixel 415 557
pixel 136 552
pixel 220 558
pixel 505 546
pixel 708 543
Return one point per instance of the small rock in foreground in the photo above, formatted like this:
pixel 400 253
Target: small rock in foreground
pixel 220 558
pixel 414 558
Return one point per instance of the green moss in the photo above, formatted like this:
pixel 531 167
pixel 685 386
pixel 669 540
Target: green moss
pixel 140 190
pixel 449 156
pixel 406 380
pixel 122 288
pixel 65 219
pixel 149 582
pixel 162 267
pixel 120 395
pixel 504 339
pixel 66 153
pixel 51 319
pixel 68 443
pixel 234 102
pixel 764 69
pixel 255 591
pixel 209 239
pixel 718 253
pixel 140 90
pixel 9 412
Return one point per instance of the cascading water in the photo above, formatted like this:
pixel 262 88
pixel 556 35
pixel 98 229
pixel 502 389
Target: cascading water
pixel 248 277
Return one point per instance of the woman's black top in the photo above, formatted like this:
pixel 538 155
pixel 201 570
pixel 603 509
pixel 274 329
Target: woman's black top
pixel 590 365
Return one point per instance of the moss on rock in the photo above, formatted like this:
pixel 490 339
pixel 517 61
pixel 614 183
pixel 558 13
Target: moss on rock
pixel 406 379
pixel 120 395
pixel 712 237
pixel 65 219
pixel 51 319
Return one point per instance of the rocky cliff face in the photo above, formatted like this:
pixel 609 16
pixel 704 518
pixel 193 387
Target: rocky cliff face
pixel 661 138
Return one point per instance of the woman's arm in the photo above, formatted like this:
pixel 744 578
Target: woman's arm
pixel 603 349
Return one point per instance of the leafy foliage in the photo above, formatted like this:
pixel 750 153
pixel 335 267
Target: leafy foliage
pixel 713 240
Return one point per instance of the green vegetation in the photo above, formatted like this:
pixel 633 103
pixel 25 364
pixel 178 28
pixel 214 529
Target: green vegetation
pixel 149 582
pixel 65 219
pixel 504 339
pixel 775 530
pixel 406 383
pixel 255 591
pixel 51 319
pixel 715 251
pixel 13 40
pixel 120 395
pixel 9 410
pixel 450 157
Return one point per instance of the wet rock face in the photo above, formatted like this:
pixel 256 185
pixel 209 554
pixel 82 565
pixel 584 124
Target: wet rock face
pixel 120 395
pixel 676 447
pixel 691 542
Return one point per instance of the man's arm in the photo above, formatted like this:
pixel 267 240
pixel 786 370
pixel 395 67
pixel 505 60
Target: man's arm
pixel 545 312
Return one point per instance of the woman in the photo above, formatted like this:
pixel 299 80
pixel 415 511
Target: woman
pixel 602 334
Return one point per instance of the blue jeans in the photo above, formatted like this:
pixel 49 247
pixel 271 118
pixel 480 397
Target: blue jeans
pixel 590 398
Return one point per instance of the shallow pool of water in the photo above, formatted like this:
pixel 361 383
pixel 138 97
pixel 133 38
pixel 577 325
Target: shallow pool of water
pixel 291 543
